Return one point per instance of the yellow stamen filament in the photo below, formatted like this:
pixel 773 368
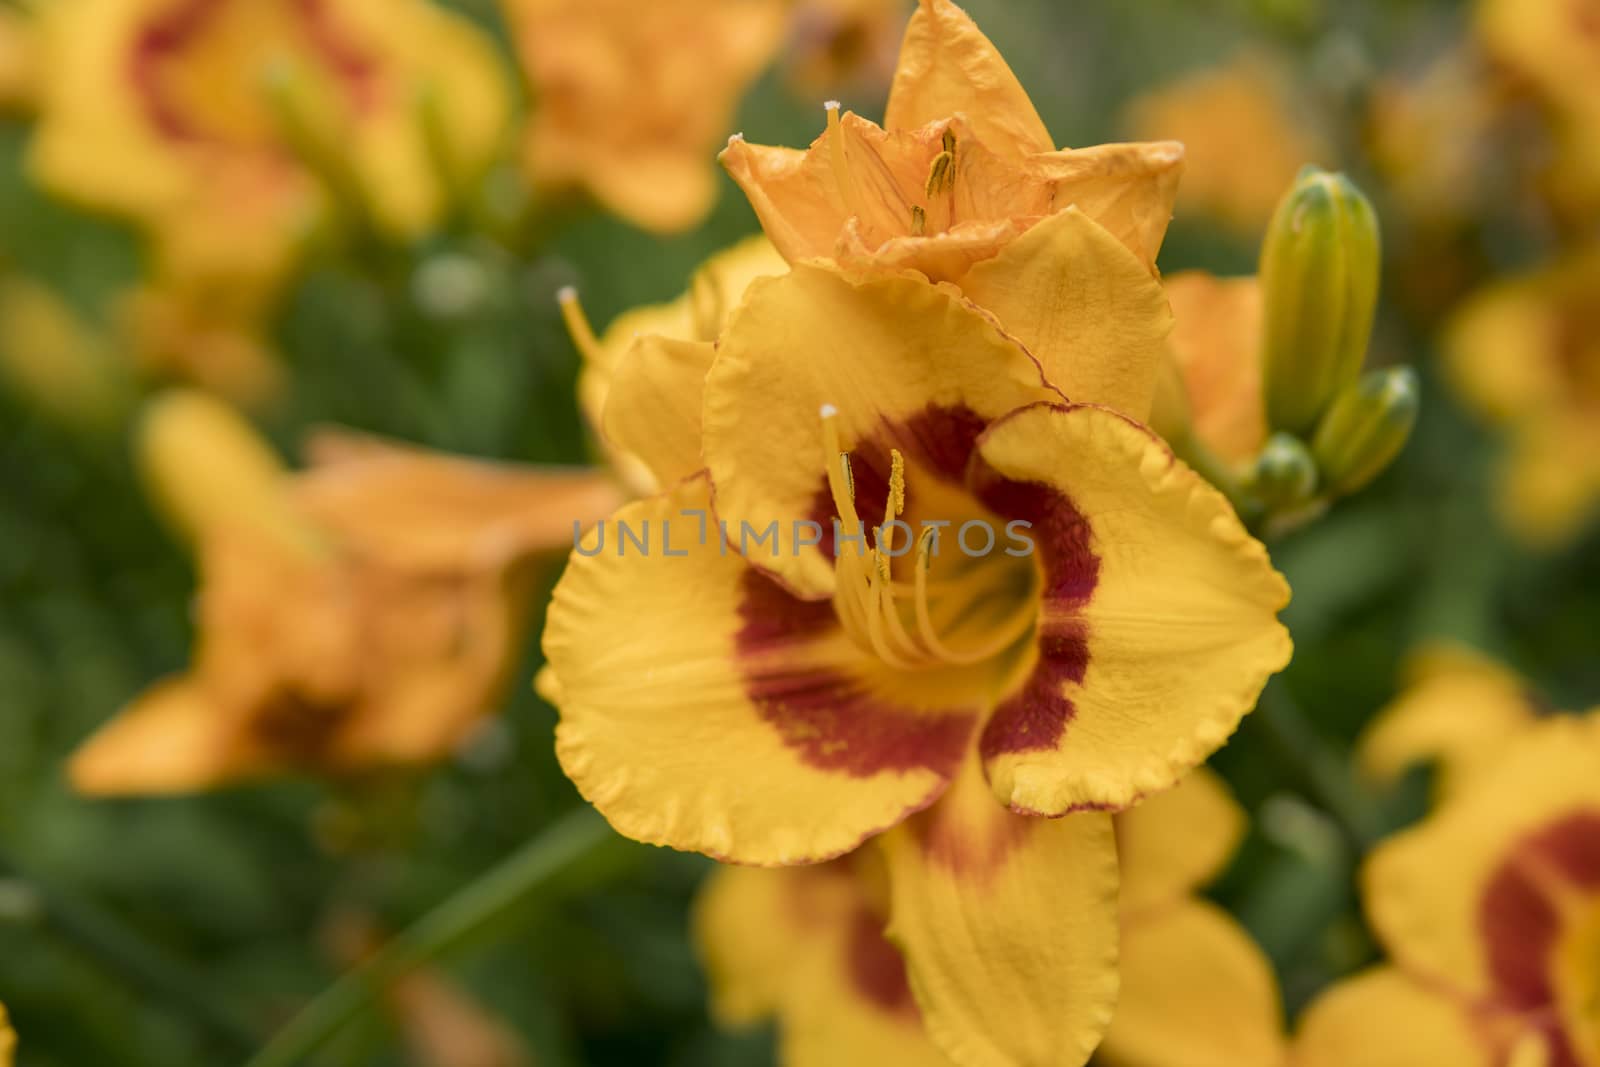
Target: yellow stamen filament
pixel 578 327
pixel 837 159
pixel 868 600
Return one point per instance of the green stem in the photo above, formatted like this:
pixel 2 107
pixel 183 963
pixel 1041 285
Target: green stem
pixel 576 837
pixel 1324 773
pixel 124 952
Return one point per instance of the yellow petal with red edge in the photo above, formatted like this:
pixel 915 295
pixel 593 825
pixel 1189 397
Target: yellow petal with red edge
pixel 947 65
pixel 805 945
pixel 1196 991
pixel 1008 925
pixel 1175 842
pixel 904 363
pixel 1384 1018
pixel 1216 343
pixel 1472 898
pixel 174 738
pixel 1085 307
pixel 1460 714
pixel 703 707
pixel 1158 625
pixel 416 509
pixel 653 410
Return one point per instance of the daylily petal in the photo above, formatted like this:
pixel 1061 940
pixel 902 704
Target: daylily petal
pixel 941 257
pixel 653 410
pixel 1196 991
pixel 664 191
pixel 901 360
pixel 791 193
pixel 1158 627
pixel 1460 713
pixel 1177 841
pixel 172 739
pixel 804 944
pixel 416 509
pixel 947 66
pixel 1127 188
pixel 1216 344
pixel 1463 899
pixel 1383 1018
pixel 1009 927
pixel 1085 308
pixel 706 709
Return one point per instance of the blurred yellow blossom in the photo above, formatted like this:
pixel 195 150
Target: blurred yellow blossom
pixel 1553 48
pixel 630 99
pixel 220 127
pixel 1490 912
pixel 60 363
pixel 1525 354
pixel 18 59
pixel 1216 347
pixel 1458 709
pixel 357 615
pixel 837 44
pixel 8 1039
pixel 963 184
pixel 1243 137
pixel 206 330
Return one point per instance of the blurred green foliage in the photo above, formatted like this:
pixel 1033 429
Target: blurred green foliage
pixel 234 888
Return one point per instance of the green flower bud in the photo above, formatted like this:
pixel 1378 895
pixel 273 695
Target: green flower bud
pixel 1365 428
pixel 1319 278
pixel 1285 474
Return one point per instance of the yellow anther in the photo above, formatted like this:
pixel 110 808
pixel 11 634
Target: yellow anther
pixel 919 221
pixel 941 174
pixel 948 141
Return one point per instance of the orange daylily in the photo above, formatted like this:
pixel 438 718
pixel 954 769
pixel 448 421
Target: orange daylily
pixel 963 184
pixel 1490 912
pixel 807 945
pixel 1525 353
pixel 838 43
pixel 197 119
pixel 1215 348
pixel 1244 142
pixel 630 98
pixel 361 614
pixel 17 60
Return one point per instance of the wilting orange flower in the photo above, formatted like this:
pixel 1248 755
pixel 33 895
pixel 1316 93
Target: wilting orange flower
pixel 963 184
pixel 687 326
pixel 1553 47
pixel 785 704
pixel 838 43
pixel 1490 912
pixel 17 60
pixel 1243 139
pixel 195 117
pixel 807 945
pixel 631 98
pixel 1526 354
pixel 361 614
pixel 1458 710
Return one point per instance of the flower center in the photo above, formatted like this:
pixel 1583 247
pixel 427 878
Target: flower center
pixel 980 606
pixel 937 211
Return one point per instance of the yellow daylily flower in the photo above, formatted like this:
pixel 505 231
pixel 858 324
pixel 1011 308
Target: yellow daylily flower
pixel 1243 139
pixel 963 184
pixel 207 330
pixel 807 945
pixel 1196 990
pixel 1490 912
pixel 59 363
pixel 192 117
pixel 630 99
pixel 1458 709
pixel 1553 48
pixel 783 702
pixel 360 614
pixel 1525 353
pixel 687 323
pixel 17 60
pixel 8 1039
pixel 838 43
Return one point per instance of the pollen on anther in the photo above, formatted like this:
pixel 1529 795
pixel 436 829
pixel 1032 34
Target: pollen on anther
pixel 830 105
pixel 736 138
pixel 829 411
pixel 566 294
